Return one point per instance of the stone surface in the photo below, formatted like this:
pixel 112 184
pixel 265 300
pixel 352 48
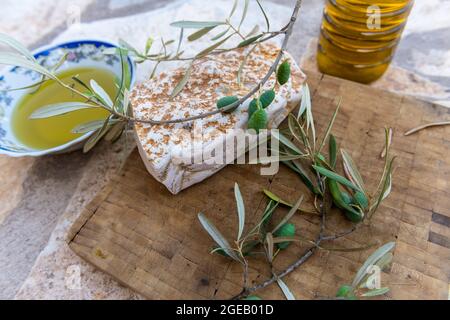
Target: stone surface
pixel 37 191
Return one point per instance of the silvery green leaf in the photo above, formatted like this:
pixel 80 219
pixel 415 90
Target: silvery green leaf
pixel 240 209
pixel 248 41
pixel 115 132
pixel 101 93
pixel 373 259
pixel 212 47
pixel 289 215
pixel 252 32
pixel 388 188
pixel 389 134
pixel 220 35
pixel 97 136
pixel 288 143
pixel 242 65
pixel 88 127
pixel 382 264
pixel 265 15
pixel 385 186
pixel 59 109
pixel 13 59
pixel 126 102
pixel 128 46
pixel 353 172
pixel 329 127
pixel 180 41
pixel 286 291
pixel 244 13
pixel 60 62
pixel 278 158
pixel 296 166
pixel 180 86
pixel 196 24
pixel 200 33
pixel 93 140
pixel 217 236
pixel 376 292
pixel 305 102
pixel 270 245
pixel 16 45
pixel 148 45
pixel 37 84
pixel 336 177
pixel 233 9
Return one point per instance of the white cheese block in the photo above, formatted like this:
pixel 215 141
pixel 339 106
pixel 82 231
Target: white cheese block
pixel 167 150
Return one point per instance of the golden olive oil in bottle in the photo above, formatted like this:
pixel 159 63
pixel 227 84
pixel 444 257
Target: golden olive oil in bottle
pixel 41 134
pixel 358 38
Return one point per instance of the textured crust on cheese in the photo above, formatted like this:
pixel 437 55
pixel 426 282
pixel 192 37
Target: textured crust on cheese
pixel 210 80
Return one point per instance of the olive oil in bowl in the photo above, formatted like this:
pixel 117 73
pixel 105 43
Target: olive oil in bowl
pixel 42 134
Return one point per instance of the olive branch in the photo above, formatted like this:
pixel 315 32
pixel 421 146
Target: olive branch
pixel 346 192
pixel 95 96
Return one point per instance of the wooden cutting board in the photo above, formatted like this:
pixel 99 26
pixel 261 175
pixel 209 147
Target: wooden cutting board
pixel 152 242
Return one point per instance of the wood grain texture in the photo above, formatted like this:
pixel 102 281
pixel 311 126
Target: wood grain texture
pixel 151 241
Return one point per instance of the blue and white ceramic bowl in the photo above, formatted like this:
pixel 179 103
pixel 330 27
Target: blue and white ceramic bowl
pixel 81 53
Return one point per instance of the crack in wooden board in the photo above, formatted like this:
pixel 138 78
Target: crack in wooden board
pixel 151 241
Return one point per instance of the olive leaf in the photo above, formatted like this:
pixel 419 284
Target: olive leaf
pixel 332 145
pixel 129 47
pixel 252 32
pixel 376 292
pixel 233 9
pixel 286 291
pixel 180 41
pixel 59 109
pixel 101 94
pixel 13 59
pixel 200 33
pixel 16 45
pixel 270 245
pixel 336 177
pixel 116 131
pixel 373 259
pixel 288 143
pixel 97 135
pixel 196 24
pixel 244 13
pixel 275 198
pixel 217 236
pixel 184 80
pixel 265 15
pixel 330 126
pixel 148 45
pixel 212 47
pixel 297 131
pixel 88 126
pixel 242 65
pixel 240 210
pixel 220 34
pixel 352 171
pixel 248 41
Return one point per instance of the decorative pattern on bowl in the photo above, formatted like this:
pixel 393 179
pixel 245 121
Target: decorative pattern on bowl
pixel 82 53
